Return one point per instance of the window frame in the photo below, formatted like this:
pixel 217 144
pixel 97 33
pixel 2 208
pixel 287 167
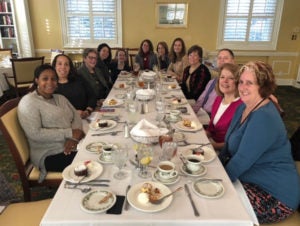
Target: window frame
pixel 246 45
pixel 91 44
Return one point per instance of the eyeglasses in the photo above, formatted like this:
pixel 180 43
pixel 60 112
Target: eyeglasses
pixel 92 58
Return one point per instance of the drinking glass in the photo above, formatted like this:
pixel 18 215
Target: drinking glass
pixel 160 108
pixel 133 112
pixel 145 156
pixel 136 69
pixel 169 150
pixel 120 157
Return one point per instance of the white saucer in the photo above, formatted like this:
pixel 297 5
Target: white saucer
pixel 202 171
pixel 208 188
pixel 102 160
pixel 157 178
pixel 170 119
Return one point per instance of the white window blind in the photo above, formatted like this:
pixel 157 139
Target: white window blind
pixel 86 23
pixel 249 24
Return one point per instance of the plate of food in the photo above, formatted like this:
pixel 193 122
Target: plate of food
pixel 98 201
pixel 95 147
pixel 188 125
pixel 139 195
pixel 208 188
pixel 173 86
pixel 112 102
pixel 176 101
pixel 206 154
pixel 124 74
pixel 103 125
pixel 121 85
pixel 83 171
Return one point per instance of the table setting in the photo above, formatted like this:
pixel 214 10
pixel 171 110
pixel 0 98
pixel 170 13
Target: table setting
pixel 153 160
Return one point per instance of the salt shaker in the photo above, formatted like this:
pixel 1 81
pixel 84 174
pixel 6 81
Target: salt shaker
pixel 126 130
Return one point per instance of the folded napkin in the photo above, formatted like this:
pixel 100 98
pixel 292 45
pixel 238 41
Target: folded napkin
pixel 146 129
pixel 148 73
pixel 145 92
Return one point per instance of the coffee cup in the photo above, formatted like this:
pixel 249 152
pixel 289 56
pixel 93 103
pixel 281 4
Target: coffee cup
pixel 193 163
pixel 166 170
pixel 174 114
pixel 107 152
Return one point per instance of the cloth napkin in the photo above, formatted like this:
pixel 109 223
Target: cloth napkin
pixel 146 129
pixel 148 74
pixel 145 92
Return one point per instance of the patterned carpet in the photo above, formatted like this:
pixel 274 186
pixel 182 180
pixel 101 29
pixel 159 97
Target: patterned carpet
pixel 288 98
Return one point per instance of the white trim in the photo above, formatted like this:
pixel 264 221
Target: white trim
pixel 280 73
pixel 248 45
pixel 298 75
pixel 258 53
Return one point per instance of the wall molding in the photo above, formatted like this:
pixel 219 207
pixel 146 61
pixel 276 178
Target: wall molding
pixel 258 53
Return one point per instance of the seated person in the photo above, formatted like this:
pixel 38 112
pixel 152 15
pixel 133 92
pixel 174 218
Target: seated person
pixel 103 62
pixel 146 58
pixel 178 59
pixel 93 76
pixel 120 63
pixel 224 105
pixel 257 150
pixel 51 124
pixel 208 96
pixel 196 75
pixel 162 56
pixel 73 87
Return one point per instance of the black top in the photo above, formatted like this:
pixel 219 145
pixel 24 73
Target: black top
pixel 78 93
pixel 104 68
pixel 115 71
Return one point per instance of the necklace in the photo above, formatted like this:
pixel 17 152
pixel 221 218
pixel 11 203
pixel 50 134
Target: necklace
pixel 253 109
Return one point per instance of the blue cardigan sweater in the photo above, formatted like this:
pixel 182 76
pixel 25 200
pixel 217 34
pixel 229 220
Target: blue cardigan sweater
pixel 261 154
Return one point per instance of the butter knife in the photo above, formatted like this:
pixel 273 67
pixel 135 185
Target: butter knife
pixel 196 213
pixel 126 205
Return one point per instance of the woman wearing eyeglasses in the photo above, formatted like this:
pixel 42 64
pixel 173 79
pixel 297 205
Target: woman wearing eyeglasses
pixel 93 75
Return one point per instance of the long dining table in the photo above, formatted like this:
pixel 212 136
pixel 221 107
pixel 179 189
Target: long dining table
pixel 227 209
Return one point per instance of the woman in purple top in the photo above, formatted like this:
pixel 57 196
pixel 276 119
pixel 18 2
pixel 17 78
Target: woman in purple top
pixel 224 106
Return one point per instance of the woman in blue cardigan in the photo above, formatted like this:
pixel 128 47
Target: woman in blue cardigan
pixel 257 150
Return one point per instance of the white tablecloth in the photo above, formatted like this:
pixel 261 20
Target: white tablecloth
pixel 227 210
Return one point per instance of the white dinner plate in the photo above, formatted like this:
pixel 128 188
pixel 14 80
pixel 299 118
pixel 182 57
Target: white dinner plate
pixel 123 87
pixel 95 147
pixel 157 178
pixel 124 74
pixel 208 156
pixel 195 126
pixel 173 87
pixel 208 188
pixel 95 126
pixel 94 170
pixel 202 171
pixel 107 103
pixel 90 203
pixel 174 102
pixel 134 191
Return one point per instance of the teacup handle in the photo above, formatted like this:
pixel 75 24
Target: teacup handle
pixel 174 174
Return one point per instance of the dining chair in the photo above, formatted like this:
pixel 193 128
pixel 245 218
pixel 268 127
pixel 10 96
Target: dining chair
pixel 5 55
pixel 132 52
pixel 54 53
pixel 24 213
pixel 19 148
pixel 23 72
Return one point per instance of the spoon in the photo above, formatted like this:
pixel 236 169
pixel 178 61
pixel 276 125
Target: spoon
pixel 159 201
pixel 184 164
pixel 114 133
pixel 83 190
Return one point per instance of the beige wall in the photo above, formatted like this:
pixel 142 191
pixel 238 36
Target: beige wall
pixel 139 23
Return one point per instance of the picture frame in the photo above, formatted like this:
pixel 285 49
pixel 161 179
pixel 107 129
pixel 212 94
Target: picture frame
pixel 171 15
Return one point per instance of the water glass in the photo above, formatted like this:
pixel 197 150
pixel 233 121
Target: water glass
pixel 145 156
pixel 133 112
pixel 169 150
pixel 120 157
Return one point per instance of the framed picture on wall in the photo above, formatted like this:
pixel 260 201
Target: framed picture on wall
pixel 171 15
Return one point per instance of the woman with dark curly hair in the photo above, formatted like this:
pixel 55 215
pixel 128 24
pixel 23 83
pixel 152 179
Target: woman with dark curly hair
pixel 257 150
pixel 73 87
pixel 103 62
pixel 146 58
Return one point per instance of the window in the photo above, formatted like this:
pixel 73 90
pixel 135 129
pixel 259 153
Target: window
pixel 249 24
pixel 87 23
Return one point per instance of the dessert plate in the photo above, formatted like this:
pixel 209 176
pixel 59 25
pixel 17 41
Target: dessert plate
pixel 121 86
pixel 208 156
pixel 208 188
pixel 157 178
pixel 110 124
pixel 202 171
pixel 95 147
pixel 134 191
pixel 113 102
pixel 94 170
pixel 195 126
pixel 92 202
